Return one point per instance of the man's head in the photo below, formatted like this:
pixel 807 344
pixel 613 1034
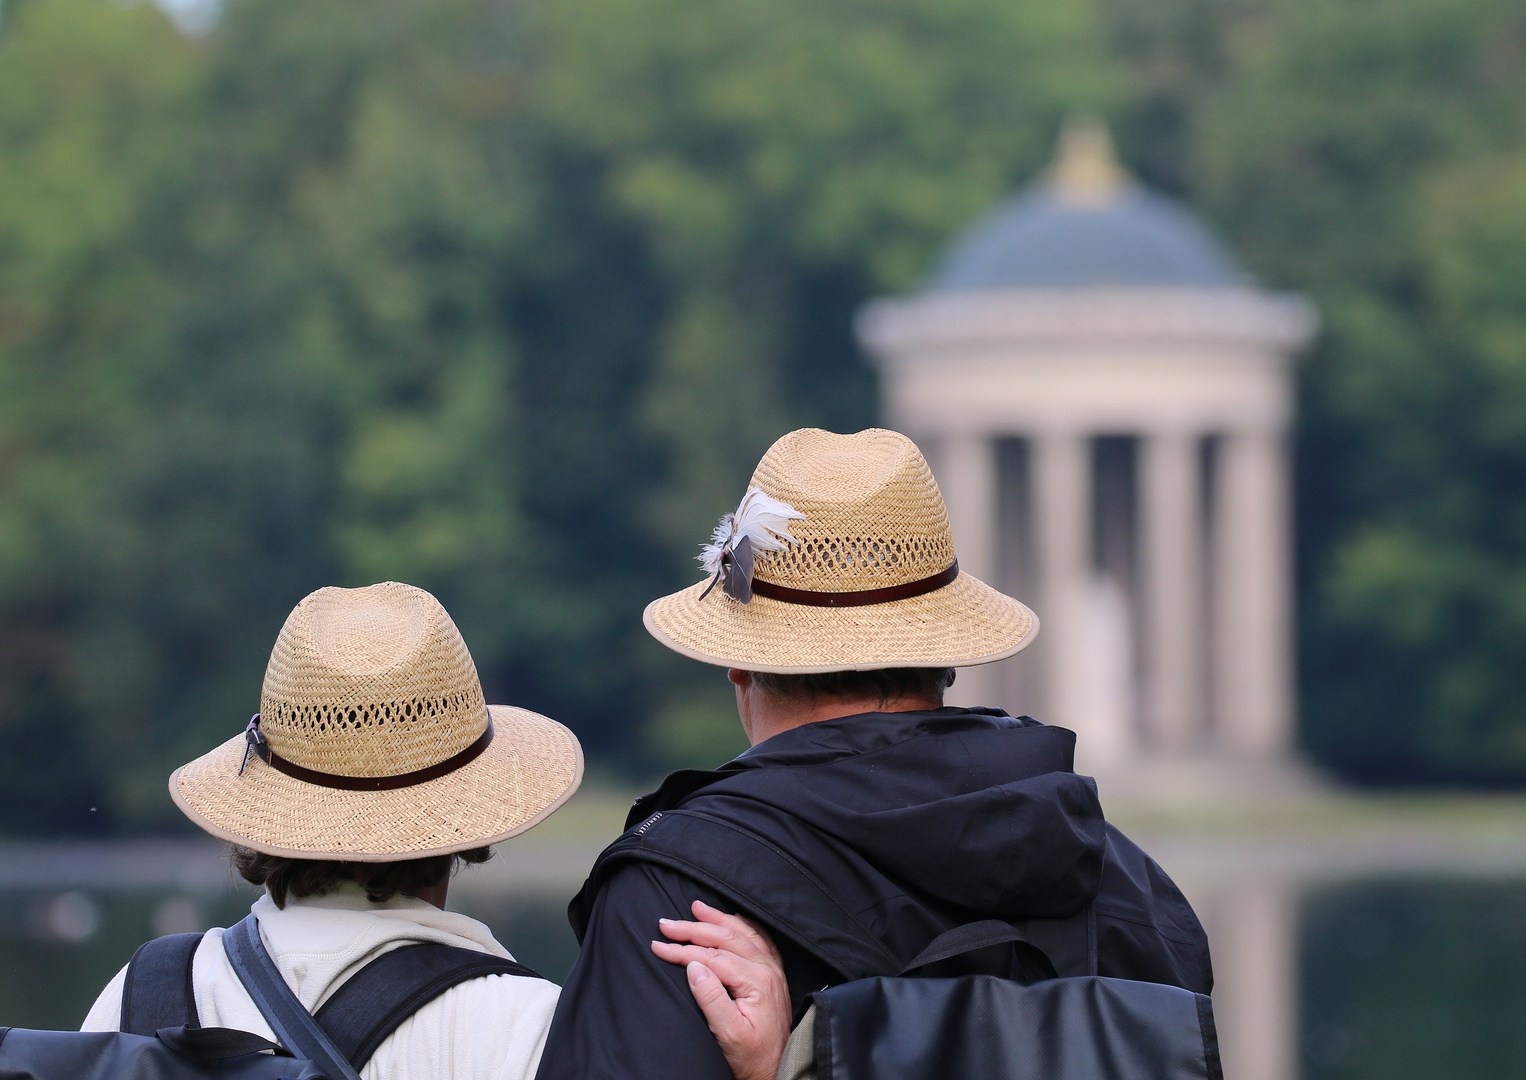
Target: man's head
pixel 885 685
pixel 769 703
pixel 834 584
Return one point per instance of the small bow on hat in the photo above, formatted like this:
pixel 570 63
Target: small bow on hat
pixel 254 743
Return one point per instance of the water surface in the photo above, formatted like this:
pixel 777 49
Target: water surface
pixel 1409 979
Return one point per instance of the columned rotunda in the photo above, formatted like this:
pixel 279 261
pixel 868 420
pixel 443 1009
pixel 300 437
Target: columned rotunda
pixel 1105 396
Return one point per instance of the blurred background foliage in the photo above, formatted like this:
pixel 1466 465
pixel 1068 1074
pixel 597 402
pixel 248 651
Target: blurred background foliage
pixel 505 297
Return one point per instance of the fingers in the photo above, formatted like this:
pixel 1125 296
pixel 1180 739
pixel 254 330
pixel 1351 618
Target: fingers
pixel 743 978
pixel 718 930
pixel 721 1012
pixel 749 930
pixel 709 936
pixel 675 953
pixel 749 1019
pixel 737 978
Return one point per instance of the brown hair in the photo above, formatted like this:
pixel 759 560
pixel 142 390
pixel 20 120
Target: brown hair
pixel 314 877
pixel 886 684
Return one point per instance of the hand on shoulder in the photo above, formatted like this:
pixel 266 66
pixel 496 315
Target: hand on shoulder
pixel 737 977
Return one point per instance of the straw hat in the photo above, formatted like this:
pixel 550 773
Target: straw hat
pixel 374 744
pixel 853 569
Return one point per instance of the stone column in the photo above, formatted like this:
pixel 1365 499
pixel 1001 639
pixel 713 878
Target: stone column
pixel 1171 525
pixel 1061 477
pixel 1253 706
pixel 967 478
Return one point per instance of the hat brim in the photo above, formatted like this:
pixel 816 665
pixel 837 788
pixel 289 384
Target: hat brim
pixel 531 767
pixel 960 625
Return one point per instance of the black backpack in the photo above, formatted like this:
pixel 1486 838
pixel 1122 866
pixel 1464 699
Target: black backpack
pixel 980 1027
pixel 889 1020
pixel 161 1037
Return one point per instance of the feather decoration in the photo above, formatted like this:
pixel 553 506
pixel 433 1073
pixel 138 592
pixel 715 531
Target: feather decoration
pixel 761 518
pixel 710 554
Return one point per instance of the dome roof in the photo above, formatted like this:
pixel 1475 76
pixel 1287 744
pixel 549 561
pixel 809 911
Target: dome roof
pixel 1085 223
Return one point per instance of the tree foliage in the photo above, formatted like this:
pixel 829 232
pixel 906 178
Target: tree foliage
pixel 1371 154
pixel 504 298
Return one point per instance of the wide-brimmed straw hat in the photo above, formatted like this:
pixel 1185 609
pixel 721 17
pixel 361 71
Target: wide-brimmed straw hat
pixel 851 568
pixel 374 743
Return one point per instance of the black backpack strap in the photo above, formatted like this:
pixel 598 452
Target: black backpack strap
pixel 380 996
pixel 979 935
pixel 158 991
pixel 761 878
pixel 770 884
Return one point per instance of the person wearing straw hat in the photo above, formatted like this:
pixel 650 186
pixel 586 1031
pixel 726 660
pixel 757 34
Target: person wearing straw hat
pixel 833 596
pixel 373 769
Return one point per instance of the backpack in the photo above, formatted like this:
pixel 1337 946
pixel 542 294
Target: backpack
pixel 161 1037
pixel 990 1028
pixel 887 1019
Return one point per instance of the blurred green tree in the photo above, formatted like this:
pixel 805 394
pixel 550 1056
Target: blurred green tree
pixel 784 158
pixel 1369 153
pixel 95 103
pixel 780 161
pixel 503 300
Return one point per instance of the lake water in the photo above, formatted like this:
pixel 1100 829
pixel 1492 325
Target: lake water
pixel 1396 979
pixel 1413 979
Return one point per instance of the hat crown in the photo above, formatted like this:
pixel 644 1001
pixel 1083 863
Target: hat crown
pixel 874 516
pixel 371 682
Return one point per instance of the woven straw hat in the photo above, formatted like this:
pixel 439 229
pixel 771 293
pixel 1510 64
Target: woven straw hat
pixel 374 744
pixel 864 578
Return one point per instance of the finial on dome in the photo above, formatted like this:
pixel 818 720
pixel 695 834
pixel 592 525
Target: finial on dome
pixel 1085 170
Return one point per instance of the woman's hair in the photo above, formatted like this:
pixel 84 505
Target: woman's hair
pixel 284 877
pixel 886 684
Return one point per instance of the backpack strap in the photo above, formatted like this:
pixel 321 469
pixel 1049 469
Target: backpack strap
pixel 158 991
pixel 979 935
pixel 757 875
pixel 380 996
pixel 770 884
pixel 286 1015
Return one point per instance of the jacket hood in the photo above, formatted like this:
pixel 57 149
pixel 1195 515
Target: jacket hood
pixel 923 797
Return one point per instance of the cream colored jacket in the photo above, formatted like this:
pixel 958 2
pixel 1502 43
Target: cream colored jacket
pixel 492 1028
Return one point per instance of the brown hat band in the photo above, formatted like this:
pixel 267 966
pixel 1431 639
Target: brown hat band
pixel 261 748
pixel 861 598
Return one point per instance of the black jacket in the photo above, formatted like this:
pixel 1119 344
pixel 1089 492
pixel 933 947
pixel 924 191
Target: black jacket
pixel 913 822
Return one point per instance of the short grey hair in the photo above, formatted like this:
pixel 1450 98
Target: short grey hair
pixel 886 684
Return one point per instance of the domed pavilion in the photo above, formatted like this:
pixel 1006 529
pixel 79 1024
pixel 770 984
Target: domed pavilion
pixel 1104 394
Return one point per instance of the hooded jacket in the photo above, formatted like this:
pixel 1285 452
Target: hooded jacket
pixel 905 824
